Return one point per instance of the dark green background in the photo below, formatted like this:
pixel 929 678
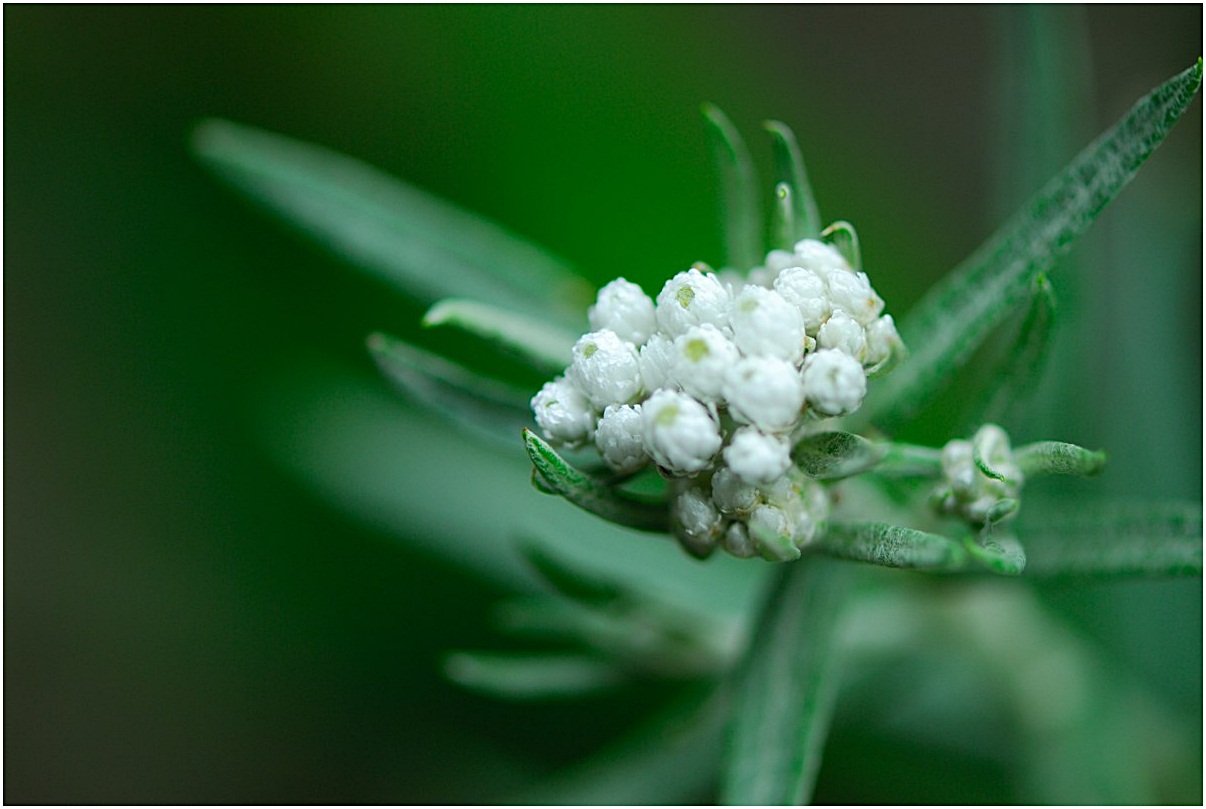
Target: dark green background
pixel 185 623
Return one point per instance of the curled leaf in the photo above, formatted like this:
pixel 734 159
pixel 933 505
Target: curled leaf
pixel 742 216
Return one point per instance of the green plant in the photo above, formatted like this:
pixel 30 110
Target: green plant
pixel 762 646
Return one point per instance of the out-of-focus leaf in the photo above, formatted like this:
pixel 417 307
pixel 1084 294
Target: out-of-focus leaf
pixel 946 326
pixel 741 213
pixel 910 460
pixel 605 501
pixel 790 171
pixel 783 219
pixel 545 346
pixel 891 546
pixel 445 493
pixel 673 759
pixel 1057 458
pixel 1025 361
pixel 843 236
pixel 428 247
pixel 834 455
pixel 452 390
pixel 786 688
pixel 1070 538
pixel 570 580
pixel 531 676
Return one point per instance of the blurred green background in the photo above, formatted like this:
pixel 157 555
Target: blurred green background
pixel 185 621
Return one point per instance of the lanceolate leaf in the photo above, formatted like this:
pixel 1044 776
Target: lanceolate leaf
pixel 1112 539
pixel 590 495
pixel 834 455
pixel 545 346
pixel 571 581
pixel 1057 458
pixel 892 546
pixel 428 247
pixel 1026 359
pixel 742 216
pixel 786 688
pixel 789 170
pixel 1000 553
pixel 517 676
pixel 452 390
pixel 957 314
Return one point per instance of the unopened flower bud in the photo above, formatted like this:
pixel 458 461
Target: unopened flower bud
pixel 834 383
pixel 702 356
pixel 766 325
pixel 731 494
pixel 605 368
pixel 765 392
pixel 689 299
pixel 620 437
pixel 622 307
pixel 680 433
pixel 807 291
pixel 757 458
pixel 843 333
pixel 695 521
pixel 563 413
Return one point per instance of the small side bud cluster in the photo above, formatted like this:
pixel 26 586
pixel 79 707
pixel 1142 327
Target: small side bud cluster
pixel 981 482
pixel 710 381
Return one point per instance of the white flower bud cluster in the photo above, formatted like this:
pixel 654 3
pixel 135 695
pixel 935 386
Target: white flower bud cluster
pixel 710 382
pixel 966 491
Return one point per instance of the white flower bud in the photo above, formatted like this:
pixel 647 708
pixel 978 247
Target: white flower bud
pixel 834 383
pixel 701 357
pixel 657 363
pixel 689 299
pixel 766 325
pixel 731 494
pixel 737 541
pixel 779 260
pixel 765 392
pixel 605 368
pixel 807 291
pixel 852 292
pixel 810 514
pixel 968 492
pixel 680 433
pixel 757 458
pixel 563 413
pixel 820 256
pixel 620 438
pixel 625 309
pixel 770 532
pixel 695 521
pixel 843 333
pixel 882 340
pixel 781 492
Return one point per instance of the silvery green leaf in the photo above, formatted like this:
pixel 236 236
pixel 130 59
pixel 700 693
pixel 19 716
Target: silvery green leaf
pixel 742 215
pixel 586 493
pixel 999 552
pixel 958 313
pixel 1058 458
pixel 426 246
pixel 786 688
pixel 910 460
pixel 891 546
pixel 834 455
pixel 1112 539
pixel 790 171
pixel 531 676
pixel 1024 362
pixel 497 408
pixel 545 346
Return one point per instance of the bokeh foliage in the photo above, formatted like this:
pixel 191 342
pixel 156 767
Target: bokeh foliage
pixel 186 622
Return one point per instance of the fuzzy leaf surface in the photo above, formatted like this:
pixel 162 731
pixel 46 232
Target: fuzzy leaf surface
pixel 834 455
pixel 786 688
pixel 892 546
pixel 953 319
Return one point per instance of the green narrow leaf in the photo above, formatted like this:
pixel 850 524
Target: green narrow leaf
pixel 834 455
pixel 841 234
pixel 1057 458
pixel 429 248
pixel 1025 361
pixel 783 219
pixel 1112 539
pixel 910 460
pixel 452 390
pixel 790 171
pixel 670 760
pixel 742 216
pixel 514 676
pixel 545 346
pixel 606 502
pixel 1000 553
pixel 786 688
pixel 946 326
pixel 891 546
pixel 568 579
